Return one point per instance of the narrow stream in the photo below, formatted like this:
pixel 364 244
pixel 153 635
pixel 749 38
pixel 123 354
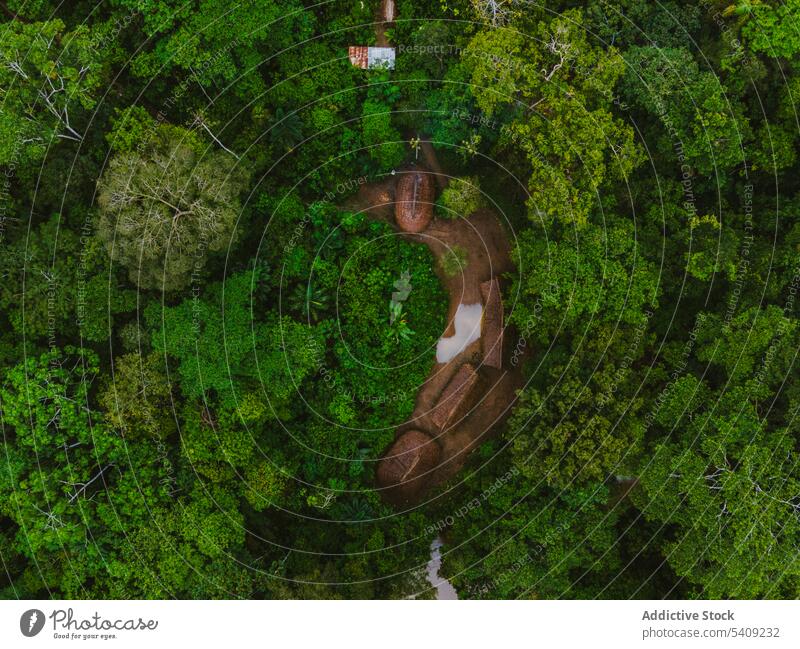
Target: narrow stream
pixel 444 589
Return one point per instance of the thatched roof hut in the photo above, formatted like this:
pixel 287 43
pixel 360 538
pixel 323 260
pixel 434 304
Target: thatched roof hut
pixel 414 197
pixel 492 340
pixel 406 464
pixel 456 398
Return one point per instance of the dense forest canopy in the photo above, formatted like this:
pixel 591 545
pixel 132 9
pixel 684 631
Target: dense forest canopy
pixel 202 349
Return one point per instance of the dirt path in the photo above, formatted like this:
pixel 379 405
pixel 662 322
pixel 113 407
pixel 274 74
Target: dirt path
pixel 486 244
pixel 384 20
pixel 487 247
pixel 432 162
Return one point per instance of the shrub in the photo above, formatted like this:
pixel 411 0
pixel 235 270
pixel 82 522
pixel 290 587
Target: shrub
pixel 461 198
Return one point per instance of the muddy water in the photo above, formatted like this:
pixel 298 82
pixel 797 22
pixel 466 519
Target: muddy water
pixel 468 330
pixel 444 589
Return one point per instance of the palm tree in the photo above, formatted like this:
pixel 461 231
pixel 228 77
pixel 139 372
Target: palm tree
pixel 357 509
pixel 310 301
pixel 287 130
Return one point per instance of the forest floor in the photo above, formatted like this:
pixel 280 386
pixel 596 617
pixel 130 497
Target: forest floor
pixel 487 248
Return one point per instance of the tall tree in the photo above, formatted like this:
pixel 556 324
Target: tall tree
pixel 49 75
pixel 70 483
pixel 164 209
pixel 558 90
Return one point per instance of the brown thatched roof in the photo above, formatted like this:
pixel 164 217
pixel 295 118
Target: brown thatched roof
pixel 492 340
pixel 456 398
pixel 406 464
pixel 414 196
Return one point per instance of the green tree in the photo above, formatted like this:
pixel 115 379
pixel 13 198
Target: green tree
pixel 576 433
pixel 287 131
pixel 164 209
pixel 769 28
pixel 270 357
pixel 70 483
pixel 727 485
pixel 559 98
pixel 191 549
pixel 704 123
pixel 460 198
pixel 213 42
pixel 56 283
pixel 137 399
pixel 384 142
pixel 568 287
pixel 541 543
pixel 48 76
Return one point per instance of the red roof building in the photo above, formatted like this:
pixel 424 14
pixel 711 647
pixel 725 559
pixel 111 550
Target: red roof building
pixel 365 57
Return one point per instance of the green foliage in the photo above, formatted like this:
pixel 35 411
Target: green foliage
pixel 270 357
pixel 213 41
pixel 575 434
pixel 624 23
pixel 130 129
pixel 543 544
pixel 384 143
pixel 377 361
pixel 460 198
pixel 570 285
pixel 454 261
pixel 702 123
pixel 287 130
pixel 731 499
pixel 560 97
pixel 137 401
pixel 71 484
pixel 56 281
pixel 191 550
pixel 770 28
pixel 207 341
pixel 164 208
pixel 48 77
